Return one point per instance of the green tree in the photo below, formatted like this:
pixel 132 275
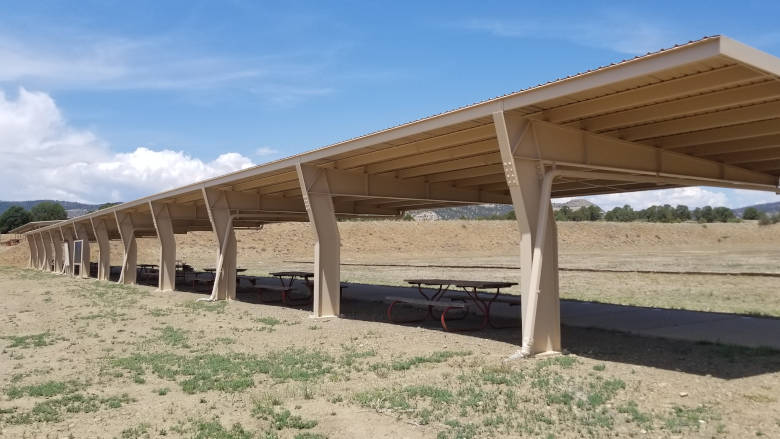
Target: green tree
pixel 14 217
pixel 563 214
pixel 621 214
pixel 750 213
pixel 682 213
pixel 723 214
pixel 48 211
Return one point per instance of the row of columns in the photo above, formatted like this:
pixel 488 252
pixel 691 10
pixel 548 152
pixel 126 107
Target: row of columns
pixel 538 280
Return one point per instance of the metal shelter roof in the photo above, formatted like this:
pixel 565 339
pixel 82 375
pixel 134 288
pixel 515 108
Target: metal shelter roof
pixel 703 113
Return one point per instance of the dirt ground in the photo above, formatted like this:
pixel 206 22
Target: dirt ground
pixel 82 358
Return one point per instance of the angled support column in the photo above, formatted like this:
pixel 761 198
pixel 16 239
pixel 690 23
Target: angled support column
pixel 104 248
pixel 33 262
pixel 327 251
pixel 55 236
pixel 68 238
pixel 127 234
pixel 161 216
pixel 82 233
pixel 538 245
pixel 221 219
pixel 44 250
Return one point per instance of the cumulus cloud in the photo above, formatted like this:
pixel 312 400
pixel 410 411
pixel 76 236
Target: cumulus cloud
pixel 609 30
pixel 44 157
pixel 265 151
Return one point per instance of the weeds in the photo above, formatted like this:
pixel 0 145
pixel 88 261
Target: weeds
pixel 30 341
pixel 228 372
pixel 52 410
pixel 406 364
pixel 45 390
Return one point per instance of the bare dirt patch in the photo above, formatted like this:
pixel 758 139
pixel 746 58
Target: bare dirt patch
pixel 93 359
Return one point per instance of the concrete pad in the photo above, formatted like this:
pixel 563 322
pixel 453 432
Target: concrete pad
pixel 737 330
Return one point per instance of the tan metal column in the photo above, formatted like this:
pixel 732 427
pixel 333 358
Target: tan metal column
pixel 67 238
pixel 524 179
pixel 127 233
pixel 45 251
pixel 31 263
pixel 327 251
pixel 55 236
pixel 82 233
pixel 222 223
pixel 104 248
pixel 162 223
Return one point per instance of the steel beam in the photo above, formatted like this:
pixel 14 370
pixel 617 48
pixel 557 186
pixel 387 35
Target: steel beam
pixel 124 223
pixel 316 189
pixel 82 233
pixel 540 302
pixel 164 227
pixel 218 207
pixel 104 248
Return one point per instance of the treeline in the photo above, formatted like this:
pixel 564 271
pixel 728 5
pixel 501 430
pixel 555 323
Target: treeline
pixel 664 214
pixel 16 216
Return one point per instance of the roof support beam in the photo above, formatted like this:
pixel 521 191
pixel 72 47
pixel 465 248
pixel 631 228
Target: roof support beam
pixel 124 223
pixel 729 146
pixel 161 215
pixel 316 189
pixel 55 236
pixel 341 183
pixel 33 261
pixel 565 146
pixel 67 237
pixel 538 283
pixel 43 241
pixel 679 87
pixel 735 116
pixel 720 134
pixel 82 233
pixel 221 218
pixel 729 98
pixel 104 248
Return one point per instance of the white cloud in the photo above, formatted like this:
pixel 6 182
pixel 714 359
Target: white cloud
pixel 64 59
pixel 44 157
pixel 610 30
pixel 265 151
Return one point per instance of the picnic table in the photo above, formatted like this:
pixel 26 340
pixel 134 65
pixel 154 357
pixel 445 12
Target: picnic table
pixel 146 271
pixel 441 289
pixel 212 270
pixel 287 278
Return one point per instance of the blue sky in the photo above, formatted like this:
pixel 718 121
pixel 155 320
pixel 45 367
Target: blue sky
pixel 221 85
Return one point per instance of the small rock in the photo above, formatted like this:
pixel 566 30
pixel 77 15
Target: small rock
pixel 683 394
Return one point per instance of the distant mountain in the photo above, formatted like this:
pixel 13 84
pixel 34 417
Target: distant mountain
pixel 481 211
pixel 71 207
pixel 770 208
pixel 575 204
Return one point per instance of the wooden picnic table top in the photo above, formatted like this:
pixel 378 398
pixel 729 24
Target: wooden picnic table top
pixel 147 265
pixel 211 270
pixel 292 274
pixel 478 284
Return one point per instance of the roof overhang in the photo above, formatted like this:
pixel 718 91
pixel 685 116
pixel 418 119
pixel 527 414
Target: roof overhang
pixel 703 113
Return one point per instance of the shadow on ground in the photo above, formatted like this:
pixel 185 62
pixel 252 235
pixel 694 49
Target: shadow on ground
pixel 692 357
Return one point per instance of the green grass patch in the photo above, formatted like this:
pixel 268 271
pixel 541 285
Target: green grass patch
pixel 139 431
pixel 228 372
pixel 688 418
pixel 45 390
pixel 408 363
pixel 280 419
pixel 217 307
pixel 54 410
pixel 30 341
pixel 173 337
